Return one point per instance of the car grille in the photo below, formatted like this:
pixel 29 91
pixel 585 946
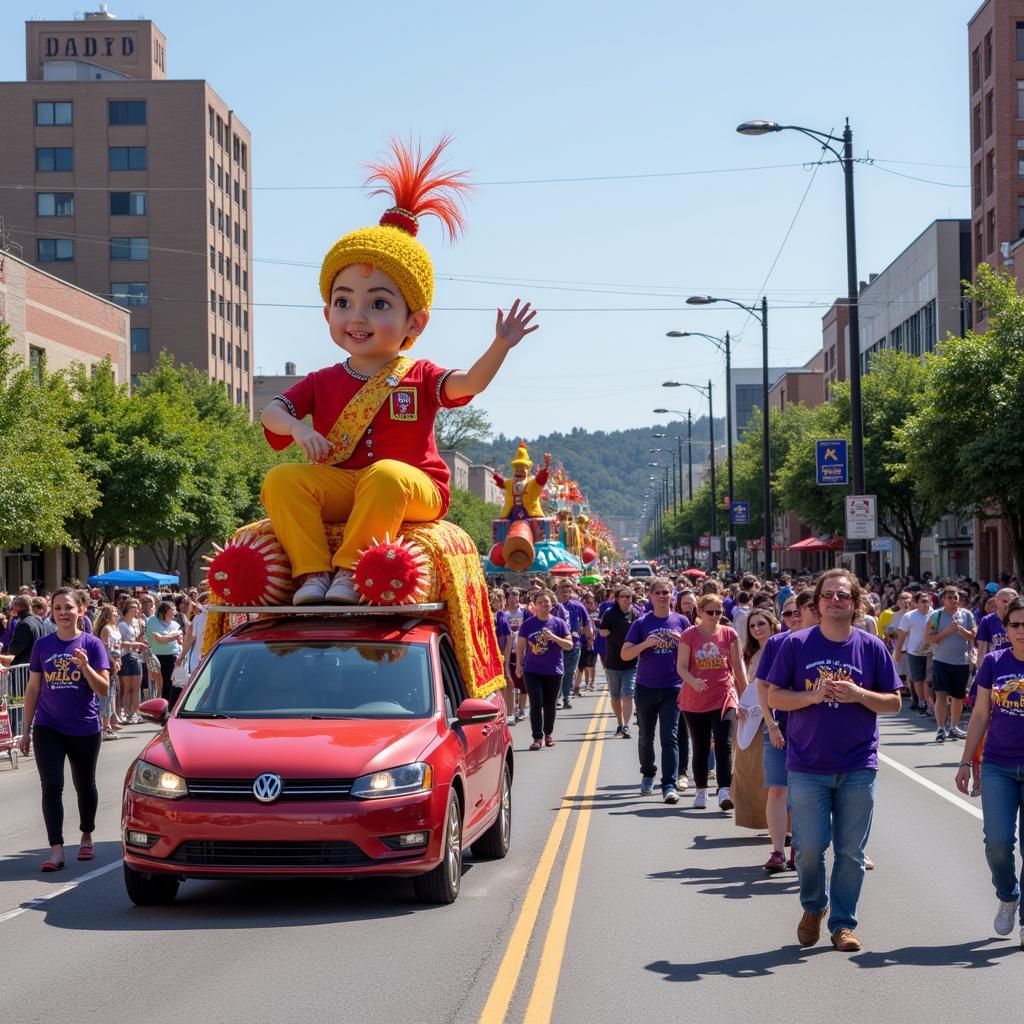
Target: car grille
pixel 291 789
pixel 210 853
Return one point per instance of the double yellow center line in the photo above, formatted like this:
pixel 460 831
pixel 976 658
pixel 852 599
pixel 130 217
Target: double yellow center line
pixel 545 986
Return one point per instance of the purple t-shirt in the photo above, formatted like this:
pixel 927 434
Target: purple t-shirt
pixel 1003 674
pixel 657 665
pixel 542 656
pixel 600 642
pixel 764 666
pixel 577 616
pixel 992 632
pixel 67 702
pixel 831 737
pixel 502 628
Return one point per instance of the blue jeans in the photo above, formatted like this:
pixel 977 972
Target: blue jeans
pixel 570 661
pixel 831 810
pixel 658 704
pixel 1002 798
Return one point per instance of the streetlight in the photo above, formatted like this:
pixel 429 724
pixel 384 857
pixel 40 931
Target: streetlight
pixel 766 483
pixel 723 345
pixel 689 447
pixel 707 393
pixel 824 139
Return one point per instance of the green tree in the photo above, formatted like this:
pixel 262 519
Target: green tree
pixel 136 454
pixel 961 447
pixel 474 515
pixel 41 477
pixel 455 428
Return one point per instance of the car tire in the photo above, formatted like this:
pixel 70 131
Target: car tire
pixel 442 884
pixel 150 890
pixel 495 842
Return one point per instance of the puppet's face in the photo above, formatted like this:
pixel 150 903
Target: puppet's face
pixel 519 474
pixel 368 316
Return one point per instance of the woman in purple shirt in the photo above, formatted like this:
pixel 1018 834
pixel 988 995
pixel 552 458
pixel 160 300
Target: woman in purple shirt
pixel 999 708
pixel 69 669
pixel 542 639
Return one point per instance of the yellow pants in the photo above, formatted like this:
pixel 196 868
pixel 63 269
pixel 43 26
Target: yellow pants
pixel 300 498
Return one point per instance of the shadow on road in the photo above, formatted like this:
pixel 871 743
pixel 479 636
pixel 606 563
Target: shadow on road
pixel 979 953
pixel 753 965
pixel 25 866
pixel 743 882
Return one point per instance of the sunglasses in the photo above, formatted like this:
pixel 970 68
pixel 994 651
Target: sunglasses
pixel 661 593
pixel 837 595
pixel 790 614
pixel 713 612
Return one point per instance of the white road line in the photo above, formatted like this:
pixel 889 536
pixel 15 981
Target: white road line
pixel 928 784
pixel 41 900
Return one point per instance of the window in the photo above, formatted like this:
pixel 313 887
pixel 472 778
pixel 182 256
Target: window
pixel 220 131
pixel 236 149
pixel 211 214
pixel 245 360
pixel 990 172
pixel 61 158
pixel 227 224
pixel 238 314
pixel 36 358
pixel 238 396
pixel 245 399
pixel 130 293
pixel 975 72
pixel 1020 40
pixel 140 339
pixel 227 268
pixel 229 354
pixel 244 153
pixel 989 113
pixel 976 126
pixel 988 54
pixel 979 242
pixel 213 345
pixel 238 276
pixel 213 258
pixel 220 177
pixel 245 240
pixel 222 348
pixel 220 263
pixel 53 113
pixel 228 316
pixel 220 220
pixel 211 168
pixel 227 186
pixel 237 233
pixel 976 186
pixel 747 397
pixel 1020 158
pixel 245 320
pixel 245 280
pixel 55 204
pixel 245 200
pixel 213 301
pixel 1020 100
pixel 126 112
pixel 1020 221
pixel 129 248
pixel 237 193
pixel 238 356
pixel 220 306
pixel 55 250
pixel 210 118
pixel 127 158
pixel 128 204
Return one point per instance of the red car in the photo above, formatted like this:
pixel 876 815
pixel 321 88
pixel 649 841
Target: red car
pixel 320 745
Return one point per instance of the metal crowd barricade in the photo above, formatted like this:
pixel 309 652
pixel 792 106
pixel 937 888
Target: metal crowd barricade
pixel 13 685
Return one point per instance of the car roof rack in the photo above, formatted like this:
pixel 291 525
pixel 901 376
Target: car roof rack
pixel 328 609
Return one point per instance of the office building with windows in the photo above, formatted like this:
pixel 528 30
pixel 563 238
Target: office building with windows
pixel 136 187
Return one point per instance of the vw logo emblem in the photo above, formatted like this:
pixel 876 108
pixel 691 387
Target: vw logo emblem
pixel 267 787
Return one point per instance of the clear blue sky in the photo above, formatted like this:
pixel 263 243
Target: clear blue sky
pixel 569 91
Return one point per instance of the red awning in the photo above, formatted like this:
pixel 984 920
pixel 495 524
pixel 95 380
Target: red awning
pixel 818 544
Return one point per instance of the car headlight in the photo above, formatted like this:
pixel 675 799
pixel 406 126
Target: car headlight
pixel 153 781
pixel 410 778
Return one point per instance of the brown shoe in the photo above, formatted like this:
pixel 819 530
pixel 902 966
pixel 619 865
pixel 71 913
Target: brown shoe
pixel 845 940
pixel 808 931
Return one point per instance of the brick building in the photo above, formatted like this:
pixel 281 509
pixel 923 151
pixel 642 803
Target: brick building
pixel 134 186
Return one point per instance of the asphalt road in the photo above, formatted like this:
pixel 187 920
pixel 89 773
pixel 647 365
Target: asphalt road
pixel 611 906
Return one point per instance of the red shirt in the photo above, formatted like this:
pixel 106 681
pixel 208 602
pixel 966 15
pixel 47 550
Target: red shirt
pixel 403 428
pixel 710 661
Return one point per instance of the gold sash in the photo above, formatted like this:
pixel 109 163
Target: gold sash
pixel 358 414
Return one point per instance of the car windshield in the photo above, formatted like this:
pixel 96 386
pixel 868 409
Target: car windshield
pixel 312 679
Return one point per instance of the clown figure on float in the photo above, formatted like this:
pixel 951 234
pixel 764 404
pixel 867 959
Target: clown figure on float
pixel 373 462
pixel 522 521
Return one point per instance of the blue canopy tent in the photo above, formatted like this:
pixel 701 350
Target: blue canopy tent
pixel 131 578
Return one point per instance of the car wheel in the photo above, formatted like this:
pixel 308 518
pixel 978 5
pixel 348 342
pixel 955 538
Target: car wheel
pixel 442 884
pixel 150 890
pixel 495 842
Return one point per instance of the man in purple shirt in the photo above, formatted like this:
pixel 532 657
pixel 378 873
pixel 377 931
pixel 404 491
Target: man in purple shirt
pixel 654 639
pixel 575 614
pixel 834 681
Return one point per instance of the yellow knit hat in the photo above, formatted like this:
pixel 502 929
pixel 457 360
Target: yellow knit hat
pixel 522 457
pixel 412 182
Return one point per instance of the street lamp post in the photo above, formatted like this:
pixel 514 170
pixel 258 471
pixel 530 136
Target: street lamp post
pixel 766 482
pixel 824 139
pixel 723 345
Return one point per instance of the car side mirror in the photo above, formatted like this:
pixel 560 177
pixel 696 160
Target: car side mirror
pixel 155 710
pixel 474 712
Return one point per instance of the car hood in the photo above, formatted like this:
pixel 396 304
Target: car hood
pixel 301 749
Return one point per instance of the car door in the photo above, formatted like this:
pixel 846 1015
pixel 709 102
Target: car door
pixel 476 742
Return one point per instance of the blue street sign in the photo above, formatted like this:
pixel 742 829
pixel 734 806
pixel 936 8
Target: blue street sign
pixel 831 462
pixel 739 513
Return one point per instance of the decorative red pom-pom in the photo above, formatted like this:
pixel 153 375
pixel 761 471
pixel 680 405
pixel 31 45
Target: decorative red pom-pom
pixel 392 572
pixel 250 570
pixel 589 554
pixel 497 556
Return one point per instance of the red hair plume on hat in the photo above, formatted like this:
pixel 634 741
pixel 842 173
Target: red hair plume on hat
pixel 419 189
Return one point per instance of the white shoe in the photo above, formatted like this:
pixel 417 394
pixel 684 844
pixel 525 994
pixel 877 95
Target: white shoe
pixel 314 590
pixel 1005 916
pixel 683 782
pixel 724 801
pixel 700 800
pixel 342 590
